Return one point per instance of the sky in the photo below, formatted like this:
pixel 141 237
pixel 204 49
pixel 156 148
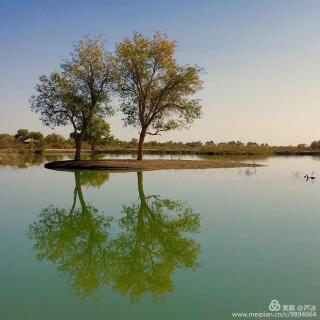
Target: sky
pixel 261 60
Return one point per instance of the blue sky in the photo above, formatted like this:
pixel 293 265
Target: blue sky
pixel 262 80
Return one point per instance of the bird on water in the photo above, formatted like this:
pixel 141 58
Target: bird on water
pixel 307 177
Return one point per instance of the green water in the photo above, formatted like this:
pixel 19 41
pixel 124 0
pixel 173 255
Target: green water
pixel 192 244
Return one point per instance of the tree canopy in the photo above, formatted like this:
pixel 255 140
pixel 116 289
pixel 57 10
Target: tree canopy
pixel 155 91
pixel 78 92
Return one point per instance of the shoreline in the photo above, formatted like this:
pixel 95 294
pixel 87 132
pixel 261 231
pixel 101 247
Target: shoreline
pixel 168 151
pixel 144 165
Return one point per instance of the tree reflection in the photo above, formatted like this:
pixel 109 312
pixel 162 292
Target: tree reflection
pixel 24 160
pixel 76 240
pixel 151 244
pixel 94 178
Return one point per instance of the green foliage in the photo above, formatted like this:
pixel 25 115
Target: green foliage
pixel 98 132
pixel 140 259
pixel 110 144
pixel 22 160
pixel 133 141
pixel 315 145
pixel 194 144
pixel 54 138
pixel 75 240
pixel 93 179
pixel 36 135
pixel 74 243
pixel 77 93
pixel 154 90
pixel 22 134
pixel 152 244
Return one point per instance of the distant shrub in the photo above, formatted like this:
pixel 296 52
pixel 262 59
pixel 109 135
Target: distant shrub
pixel 194 144
pixel 57 141
pixel 54 138
pixel 6 141
pixel 36 135
pixel 315 145
pixel 22 134
pixel 6 137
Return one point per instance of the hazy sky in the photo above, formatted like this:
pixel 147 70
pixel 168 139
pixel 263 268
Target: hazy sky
pixel 262 80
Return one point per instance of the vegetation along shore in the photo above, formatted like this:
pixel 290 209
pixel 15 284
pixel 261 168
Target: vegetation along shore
pixel 26 141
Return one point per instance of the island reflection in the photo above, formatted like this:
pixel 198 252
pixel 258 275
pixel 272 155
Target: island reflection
pixel 139 260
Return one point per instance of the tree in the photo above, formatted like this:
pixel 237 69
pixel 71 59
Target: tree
pixel 194 144
pixel 133 141
pixel 315 145
pixel 79 92
pixel 22 134
pixel 98 131
pixel 36 135
pixel 154 90
pixel 54 138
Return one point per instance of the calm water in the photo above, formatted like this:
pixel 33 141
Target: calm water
pixel 193 244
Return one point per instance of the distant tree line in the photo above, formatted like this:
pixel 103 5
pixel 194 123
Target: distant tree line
pixel 98 136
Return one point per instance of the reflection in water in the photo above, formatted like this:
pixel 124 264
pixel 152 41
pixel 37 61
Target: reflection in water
pixel 152 245
pixel 22 160
pixel 140 259
pixel 93 179
pixel 76 240
pixel 27 159
pixel 248 171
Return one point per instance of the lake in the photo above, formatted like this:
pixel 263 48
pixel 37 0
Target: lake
pixel 190 244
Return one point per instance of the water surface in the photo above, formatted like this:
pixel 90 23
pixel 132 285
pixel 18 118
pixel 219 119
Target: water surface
pixel 191 244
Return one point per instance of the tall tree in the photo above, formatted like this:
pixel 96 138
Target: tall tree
pixel 154 89
pixel 78 92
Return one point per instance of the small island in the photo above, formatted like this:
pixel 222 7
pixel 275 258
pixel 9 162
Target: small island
pixel 143 165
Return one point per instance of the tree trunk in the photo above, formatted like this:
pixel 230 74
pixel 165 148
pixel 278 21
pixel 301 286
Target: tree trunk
pixel 78 141
pixel 140 186
pixel 143 199
pixel 93 144
pixel 79 190
pixel 140 146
